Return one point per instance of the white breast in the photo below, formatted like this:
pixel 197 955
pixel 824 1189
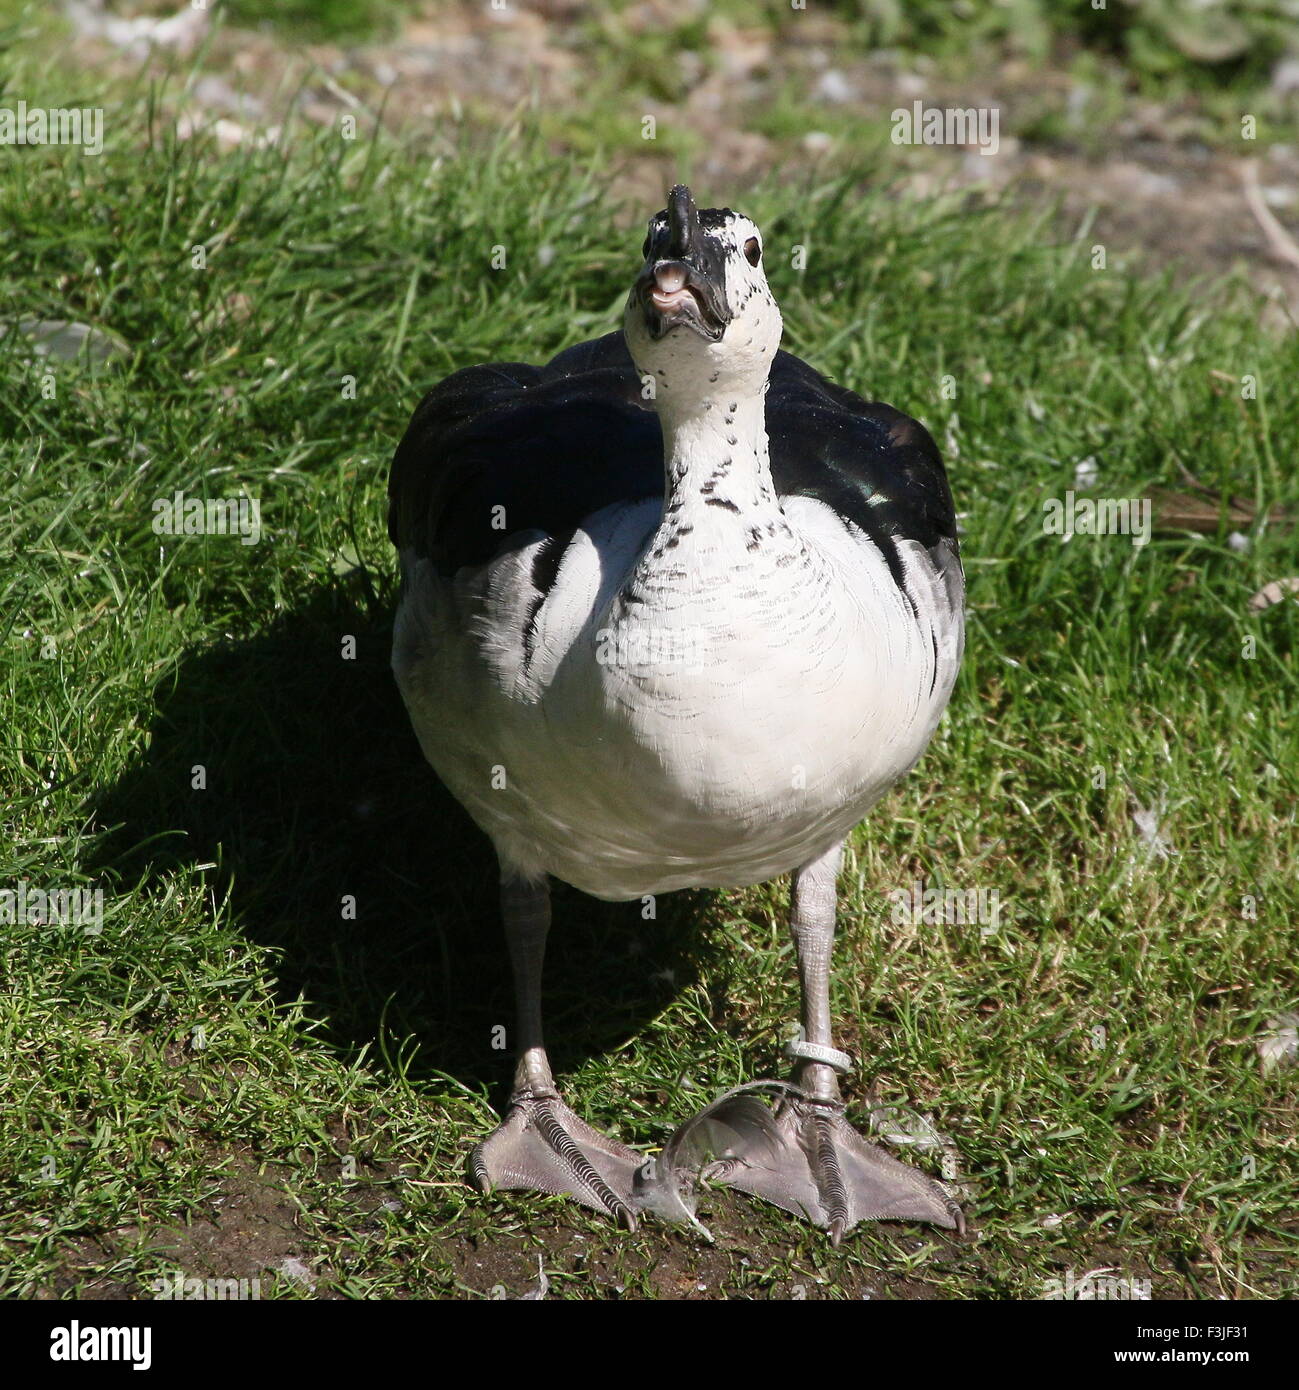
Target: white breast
pixel 727 730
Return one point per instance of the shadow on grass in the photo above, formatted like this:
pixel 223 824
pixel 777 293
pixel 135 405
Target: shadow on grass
pixel 317 790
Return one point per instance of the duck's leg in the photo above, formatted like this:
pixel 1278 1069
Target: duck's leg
pixel 806 1157
pixel 542 1145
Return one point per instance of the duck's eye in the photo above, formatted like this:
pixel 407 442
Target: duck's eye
pixel 752 251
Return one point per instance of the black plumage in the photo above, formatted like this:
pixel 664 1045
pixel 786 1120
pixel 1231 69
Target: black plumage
pixel 499 451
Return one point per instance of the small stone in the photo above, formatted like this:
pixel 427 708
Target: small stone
pixel 833 86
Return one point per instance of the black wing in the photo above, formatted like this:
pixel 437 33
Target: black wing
pixel 547 446
pixel 551 445
pixel 873 465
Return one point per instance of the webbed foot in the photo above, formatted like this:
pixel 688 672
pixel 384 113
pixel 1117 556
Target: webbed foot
pixel 542 1146
pixel 802 1156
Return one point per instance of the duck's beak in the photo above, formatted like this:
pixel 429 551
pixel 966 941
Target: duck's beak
pixel 683 283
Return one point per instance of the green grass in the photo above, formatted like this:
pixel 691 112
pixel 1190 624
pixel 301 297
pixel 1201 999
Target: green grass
pixel 1124 61
pixel 230 1027
pixel 338 21
pixel 1208 41
pixel 327 21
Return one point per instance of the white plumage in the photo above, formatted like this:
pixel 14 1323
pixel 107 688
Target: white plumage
pixel 779 703
pixel 677 624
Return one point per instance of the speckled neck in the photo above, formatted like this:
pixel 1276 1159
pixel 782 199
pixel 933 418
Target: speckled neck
pixel 716 461
pixel 723 527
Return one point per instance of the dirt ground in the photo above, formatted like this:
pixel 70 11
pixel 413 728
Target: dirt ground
pixel 252 1231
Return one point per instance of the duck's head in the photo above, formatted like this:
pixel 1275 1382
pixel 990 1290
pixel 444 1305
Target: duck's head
pixel 700 313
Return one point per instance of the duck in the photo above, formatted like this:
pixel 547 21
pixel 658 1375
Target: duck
pixel 676 611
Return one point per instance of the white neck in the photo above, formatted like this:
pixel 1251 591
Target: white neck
pixel 716 463
pixel 722 527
